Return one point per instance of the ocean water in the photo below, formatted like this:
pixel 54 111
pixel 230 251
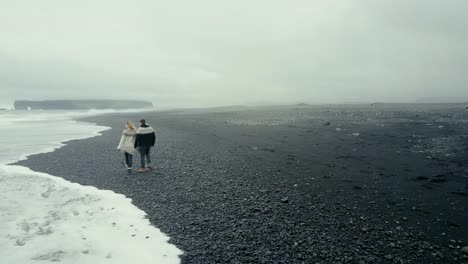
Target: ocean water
pixel 45 219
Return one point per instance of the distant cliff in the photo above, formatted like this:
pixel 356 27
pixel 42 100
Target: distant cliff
pixel 80 104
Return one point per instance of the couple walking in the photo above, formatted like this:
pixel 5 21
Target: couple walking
pixel 141 140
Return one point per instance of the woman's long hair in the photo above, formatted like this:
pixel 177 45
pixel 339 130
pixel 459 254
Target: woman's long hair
pixel 131 126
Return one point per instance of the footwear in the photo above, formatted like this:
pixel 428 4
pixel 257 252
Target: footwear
pixel 149 167
pixel 129 169
pixel 140 170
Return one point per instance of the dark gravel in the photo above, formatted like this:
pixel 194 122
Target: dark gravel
pixel 293 184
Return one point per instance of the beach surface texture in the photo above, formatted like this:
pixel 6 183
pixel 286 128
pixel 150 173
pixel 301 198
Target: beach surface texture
pixel 297 184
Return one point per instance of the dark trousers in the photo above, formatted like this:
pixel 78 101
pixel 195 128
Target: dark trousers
pixel 145 153
pixel 128 159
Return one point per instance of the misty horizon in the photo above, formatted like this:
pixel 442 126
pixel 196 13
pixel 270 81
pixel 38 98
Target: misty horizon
pixel 204 54
pixel 259 103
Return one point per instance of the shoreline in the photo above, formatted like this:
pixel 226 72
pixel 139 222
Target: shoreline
pixel 52 219
pixel 228 191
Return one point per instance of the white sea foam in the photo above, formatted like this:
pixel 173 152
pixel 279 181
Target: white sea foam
pixel 48 219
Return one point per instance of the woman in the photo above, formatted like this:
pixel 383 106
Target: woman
pixel 127 143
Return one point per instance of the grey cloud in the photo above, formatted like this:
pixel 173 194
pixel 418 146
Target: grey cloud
pixel 201 53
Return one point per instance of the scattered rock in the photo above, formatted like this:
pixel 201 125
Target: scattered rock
pixel 421 178
pixel 465 250
pixel 268 149
pixel 439 178
pixel 460 193
pixel 20 243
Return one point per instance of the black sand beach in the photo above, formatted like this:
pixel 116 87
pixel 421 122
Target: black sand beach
pixel 300 184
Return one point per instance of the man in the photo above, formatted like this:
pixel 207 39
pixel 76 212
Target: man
pixel 144 141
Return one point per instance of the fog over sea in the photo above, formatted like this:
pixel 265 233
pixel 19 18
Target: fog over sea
pixel 48 219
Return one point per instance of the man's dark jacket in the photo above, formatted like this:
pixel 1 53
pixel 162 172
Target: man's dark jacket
pixel 145 137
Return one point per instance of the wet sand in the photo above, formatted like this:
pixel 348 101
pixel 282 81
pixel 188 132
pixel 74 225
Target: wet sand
pixel 298 184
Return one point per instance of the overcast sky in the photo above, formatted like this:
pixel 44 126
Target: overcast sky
pixel 214 52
